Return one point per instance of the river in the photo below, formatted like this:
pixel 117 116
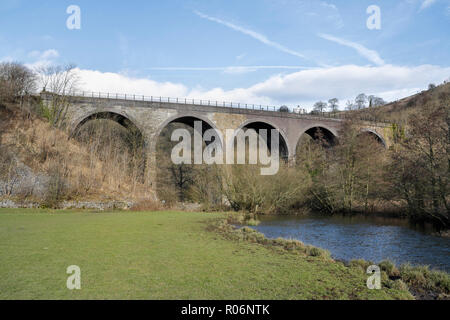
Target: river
pixel 370 238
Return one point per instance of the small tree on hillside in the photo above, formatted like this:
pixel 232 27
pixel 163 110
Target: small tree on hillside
pixel 333 105
pixel 62 81
pixel 361 100
pixel 319 106
pixel 16 81
pixel 375 101
pixel 349 105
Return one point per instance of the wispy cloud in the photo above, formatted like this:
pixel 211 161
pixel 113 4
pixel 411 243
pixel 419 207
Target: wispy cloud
pixel 255 35
pixel 45 55
pixel 370 55
pixel 230 69
pixel 426 4
pixel 333 14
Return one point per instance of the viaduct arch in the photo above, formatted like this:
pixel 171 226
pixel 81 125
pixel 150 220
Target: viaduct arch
pixel 151 117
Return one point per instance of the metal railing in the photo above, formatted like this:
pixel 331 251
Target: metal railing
pixel 161 99
pixel 218 104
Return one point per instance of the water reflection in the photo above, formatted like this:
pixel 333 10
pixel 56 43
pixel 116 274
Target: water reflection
pixel 373 239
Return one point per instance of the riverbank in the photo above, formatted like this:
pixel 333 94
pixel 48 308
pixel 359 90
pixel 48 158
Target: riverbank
pixel 161 255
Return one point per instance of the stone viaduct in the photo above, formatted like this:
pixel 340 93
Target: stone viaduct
pixel 152 114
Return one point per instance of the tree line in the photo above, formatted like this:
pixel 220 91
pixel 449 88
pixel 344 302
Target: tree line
pixel 361 101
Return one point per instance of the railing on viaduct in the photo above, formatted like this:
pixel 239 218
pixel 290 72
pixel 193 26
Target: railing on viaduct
pixel 218 104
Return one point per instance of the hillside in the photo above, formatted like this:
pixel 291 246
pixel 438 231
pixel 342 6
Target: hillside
pixel 42 164
pixel 399 111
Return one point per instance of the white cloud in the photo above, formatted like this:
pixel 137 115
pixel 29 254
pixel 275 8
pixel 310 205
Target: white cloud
pixel 298 88
pixel 45 55
pixel 255 35
pixel 97 81
pixel 426 4
pixel 370 55
pixel 42 59
pixel 7 59
pixel 50 54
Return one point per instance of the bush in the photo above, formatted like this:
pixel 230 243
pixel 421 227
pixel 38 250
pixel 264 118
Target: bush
pixel 147 205
pixel 252 222
pixel 389 267
pixel 317 252
pixel 423 279
pixel 57 187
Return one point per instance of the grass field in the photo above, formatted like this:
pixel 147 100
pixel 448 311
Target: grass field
pixel 157 255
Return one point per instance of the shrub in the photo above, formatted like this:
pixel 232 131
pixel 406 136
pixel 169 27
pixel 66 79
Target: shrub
pixel 360 263
pixel 147 205
pixel 389 267
pixel 317 252
pixel 57 186
pixel 252 222
pixel 424 279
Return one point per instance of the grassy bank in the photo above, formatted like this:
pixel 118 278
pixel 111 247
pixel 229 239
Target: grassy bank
pixel 159 255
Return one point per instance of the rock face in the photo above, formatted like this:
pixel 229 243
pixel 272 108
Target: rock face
pixel 93 205
pixel 107 205
pixel 8 203
pixel 24 182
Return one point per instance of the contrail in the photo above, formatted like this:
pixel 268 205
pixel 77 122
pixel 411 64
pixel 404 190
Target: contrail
pixel 255 35
pixel 370 55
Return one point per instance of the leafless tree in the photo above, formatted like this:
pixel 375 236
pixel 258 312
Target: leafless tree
pixel 333 104
pixel 62 82
pixel 16 81
pixel 9 174
pixel 361 100
pixel 319 106
pixel 375 101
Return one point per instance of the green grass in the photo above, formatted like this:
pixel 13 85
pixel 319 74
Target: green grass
pixel 158 255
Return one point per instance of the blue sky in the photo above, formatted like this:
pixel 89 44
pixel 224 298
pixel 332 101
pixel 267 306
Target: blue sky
pixel 276 52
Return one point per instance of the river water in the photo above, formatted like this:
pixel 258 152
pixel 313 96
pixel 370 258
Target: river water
pixel 370 238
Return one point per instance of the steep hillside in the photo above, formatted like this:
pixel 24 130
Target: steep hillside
pixel 400 110
pixel 41 163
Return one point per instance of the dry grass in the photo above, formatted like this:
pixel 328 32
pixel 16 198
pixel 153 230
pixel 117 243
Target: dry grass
pixel 147 205
pixel 86 173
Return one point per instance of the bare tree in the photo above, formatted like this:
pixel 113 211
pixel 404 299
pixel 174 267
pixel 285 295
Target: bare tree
pixel 319 106
pixel 375 101
pixel 361 100
pixel 9 173
pixel 333 104
pixel 420 168
pixel 61 81
pixel 16 81
pixel 349 105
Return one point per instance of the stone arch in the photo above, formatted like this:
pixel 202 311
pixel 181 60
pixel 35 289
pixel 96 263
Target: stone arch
pixel 120 117
pixel 258 123
pixel 329 135
pixel 136 141
pixel 378 137
pixel 188 119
